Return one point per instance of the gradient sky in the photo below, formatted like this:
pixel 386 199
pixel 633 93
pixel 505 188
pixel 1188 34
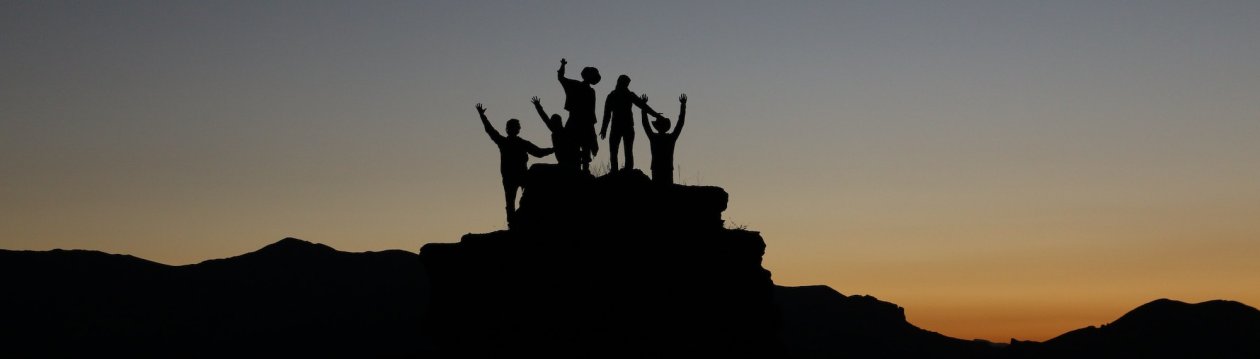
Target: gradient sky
pixel 1001 169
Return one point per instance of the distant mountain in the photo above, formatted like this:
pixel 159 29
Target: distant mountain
pixel 1161 329
pixel 614 266
pixel 819 322
pixel 291 297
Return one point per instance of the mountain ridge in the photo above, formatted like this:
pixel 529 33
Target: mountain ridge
pixel 89 302
pixel 610 266
pixel 811 341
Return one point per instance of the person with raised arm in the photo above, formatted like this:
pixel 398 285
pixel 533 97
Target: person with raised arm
pixel 618 112
pixel 564 152
pixel 579 100
pixel 663 141
pixel 514 153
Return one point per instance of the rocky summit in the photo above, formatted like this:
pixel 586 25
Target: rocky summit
pixel 614 266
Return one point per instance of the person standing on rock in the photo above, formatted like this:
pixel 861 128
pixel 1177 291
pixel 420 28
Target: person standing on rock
pixel 663 142
pixel 618 111
pixel 514 153
pixel 564 151
pixel 579 100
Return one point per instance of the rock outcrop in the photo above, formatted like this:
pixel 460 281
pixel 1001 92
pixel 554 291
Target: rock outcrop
pixel 614 266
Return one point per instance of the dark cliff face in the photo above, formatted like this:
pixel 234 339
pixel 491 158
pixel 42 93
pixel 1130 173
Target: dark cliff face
pixel 614 266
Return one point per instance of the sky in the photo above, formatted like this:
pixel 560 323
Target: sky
pixel 1001 169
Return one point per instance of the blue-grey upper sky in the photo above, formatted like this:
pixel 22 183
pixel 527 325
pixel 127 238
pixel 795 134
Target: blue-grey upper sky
pixel 1000 168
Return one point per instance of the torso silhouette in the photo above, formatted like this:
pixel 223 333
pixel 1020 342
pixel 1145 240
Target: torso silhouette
pixel 663 149
pixel 579 101
pixel 514 154
pixel 618 103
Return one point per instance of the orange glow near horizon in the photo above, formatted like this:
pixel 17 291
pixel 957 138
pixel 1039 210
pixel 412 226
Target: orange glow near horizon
pixel 998 169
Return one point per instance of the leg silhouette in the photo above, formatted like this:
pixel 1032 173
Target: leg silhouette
pixel 614 143
pixel 629 138
pixel 509 195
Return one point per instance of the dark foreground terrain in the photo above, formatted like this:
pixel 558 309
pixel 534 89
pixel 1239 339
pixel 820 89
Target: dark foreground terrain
pixel 656 275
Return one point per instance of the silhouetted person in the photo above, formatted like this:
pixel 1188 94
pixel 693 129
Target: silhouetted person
pixel 663 142
pixel 579 100
pixel 513 157
pixel 565 153
pixel 617 110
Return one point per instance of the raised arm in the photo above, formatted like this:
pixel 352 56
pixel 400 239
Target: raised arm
pixel 647 127
pixel 560 72
pixel 494 134
pixel 643 105
pixel 541 114
pixel 682 115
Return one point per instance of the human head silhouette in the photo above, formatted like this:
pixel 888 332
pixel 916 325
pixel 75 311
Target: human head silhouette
pixel 661 125
pixel 623 82
pixel 555 117
pixel 513 127
pixel 590 75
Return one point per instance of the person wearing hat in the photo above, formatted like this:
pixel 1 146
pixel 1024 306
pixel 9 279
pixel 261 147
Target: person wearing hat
pixel 580 102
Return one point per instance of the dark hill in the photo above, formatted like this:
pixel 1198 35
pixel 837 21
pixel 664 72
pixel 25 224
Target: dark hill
pixel 291 297
pixel 819 322
pixel 1161 329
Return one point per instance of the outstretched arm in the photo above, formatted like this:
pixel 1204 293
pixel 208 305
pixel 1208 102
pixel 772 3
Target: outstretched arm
pixel 537 152
pixel 494 134
pixel 682 115
pixel 647 127
pixel 643 105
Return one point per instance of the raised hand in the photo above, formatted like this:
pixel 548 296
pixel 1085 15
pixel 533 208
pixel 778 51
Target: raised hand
pixel 563 61
pixel 535 101
pixel 481 109
pixel 643 96
pixel 683 98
